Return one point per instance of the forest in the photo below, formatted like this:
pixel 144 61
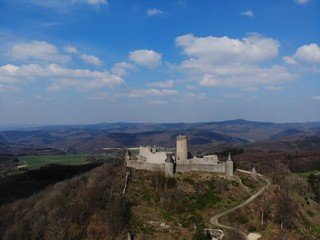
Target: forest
pixel 87 206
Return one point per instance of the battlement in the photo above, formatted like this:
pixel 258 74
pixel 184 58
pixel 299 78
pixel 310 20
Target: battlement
pixel 150 159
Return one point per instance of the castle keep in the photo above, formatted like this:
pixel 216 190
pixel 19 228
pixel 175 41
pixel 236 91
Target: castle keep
pixel 180 161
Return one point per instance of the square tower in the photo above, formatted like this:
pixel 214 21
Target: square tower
pixel 182 148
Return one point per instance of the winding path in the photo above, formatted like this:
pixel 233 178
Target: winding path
pixel 215 219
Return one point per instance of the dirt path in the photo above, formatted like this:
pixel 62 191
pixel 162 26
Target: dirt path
pixel 215 219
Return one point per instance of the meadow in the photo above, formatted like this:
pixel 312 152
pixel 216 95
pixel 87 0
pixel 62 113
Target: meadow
pixel 307 174
pixel 35 162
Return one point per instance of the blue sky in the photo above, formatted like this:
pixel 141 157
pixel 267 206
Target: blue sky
pixel 89 61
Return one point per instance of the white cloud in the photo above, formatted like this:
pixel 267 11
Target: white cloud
pixel 274 88
pixel 195 96
pixel 154 11
pixel 219 50
pixel 121 68
pixel 64 5
pixel 166 84
pixel 290 60
pixel 6 88
pixel 144 57
pixel 91 2
pixel 71 50
pixel 91 59
pixel 307 53
pixel 317 98
pixel 191 87
pixel 60 77
pixel 248 13
pixel 151 92
pixel 222 61
pixel 37 50
pixel 248 77
pixel 157 102
pixel 302 1
pixel 85 57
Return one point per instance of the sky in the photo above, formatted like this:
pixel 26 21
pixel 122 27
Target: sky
pixel 91 61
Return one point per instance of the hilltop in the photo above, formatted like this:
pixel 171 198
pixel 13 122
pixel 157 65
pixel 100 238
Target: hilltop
pixel 92 206
pixel 87 202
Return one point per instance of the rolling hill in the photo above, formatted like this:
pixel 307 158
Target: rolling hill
pixel 106 135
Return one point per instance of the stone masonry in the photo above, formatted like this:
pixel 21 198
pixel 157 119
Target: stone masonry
pixel 170 163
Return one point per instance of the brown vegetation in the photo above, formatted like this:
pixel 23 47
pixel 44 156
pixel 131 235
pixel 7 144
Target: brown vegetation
pixel 89 206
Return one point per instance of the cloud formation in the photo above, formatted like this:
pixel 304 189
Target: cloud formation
pixel 157 102
pixel 166 84
pixel 147 58
pixel 7 88
pixel 317 98
pixel 71 50
pixel 302 1
pixel 249 77
pixel 85 57
pixel 223 61
pixel 59 76
pixel 152 92
pixel 252 49
pixel 154 11
pixel 91 59
pixel 121 68
pixel 37 50
pixel 91 2
pixel 195 96
pixel 307 54
pixel 64 4
pixel 248 13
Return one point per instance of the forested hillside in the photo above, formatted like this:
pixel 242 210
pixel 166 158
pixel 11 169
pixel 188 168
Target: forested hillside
pixel 92 206
pixel 88 206
pixel 104 135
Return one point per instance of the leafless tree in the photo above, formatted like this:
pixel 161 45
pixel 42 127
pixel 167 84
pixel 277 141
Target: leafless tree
pixel 264 205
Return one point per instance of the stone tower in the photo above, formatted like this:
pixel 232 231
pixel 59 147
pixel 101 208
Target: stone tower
pixel 182 148
pixel 229 166
pixel 169 166
pixel 128 155
pixel 254 174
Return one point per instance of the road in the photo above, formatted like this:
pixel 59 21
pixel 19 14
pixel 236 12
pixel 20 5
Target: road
pixel 215 219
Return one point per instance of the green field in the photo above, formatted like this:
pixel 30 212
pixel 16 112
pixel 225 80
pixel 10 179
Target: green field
pixel 307 174
pixel 35 162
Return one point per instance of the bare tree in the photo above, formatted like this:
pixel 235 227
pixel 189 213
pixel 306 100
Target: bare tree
pixel 285 209
pixel 264 205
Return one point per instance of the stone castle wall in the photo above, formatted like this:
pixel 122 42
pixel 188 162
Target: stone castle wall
pixel 150 159
pixel 209 159
pixel 145 153
pixel 185 167
pixel 219 168
pixel 141 165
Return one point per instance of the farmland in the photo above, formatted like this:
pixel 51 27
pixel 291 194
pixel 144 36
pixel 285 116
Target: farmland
pixel 35 162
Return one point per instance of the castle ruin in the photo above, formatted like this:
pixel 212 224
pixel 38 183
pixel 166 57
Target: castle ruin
pixel 149 158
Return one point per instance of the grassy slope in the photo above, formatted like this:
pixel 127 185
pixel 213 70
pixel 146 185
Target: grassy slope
pixel 306 219
pixel 173 212
pixel 155 217
pixel 307 174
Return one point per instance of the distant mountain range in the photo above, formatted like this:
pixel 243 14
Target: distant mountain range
pixel 106 135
